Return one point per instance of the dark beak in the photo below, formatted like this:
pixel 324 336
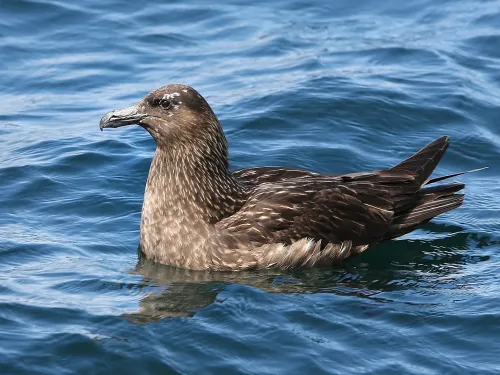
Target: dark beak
pixel 121 117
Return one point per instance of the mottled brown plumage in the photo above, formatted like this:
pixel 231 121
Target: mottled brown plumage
pixel 197 214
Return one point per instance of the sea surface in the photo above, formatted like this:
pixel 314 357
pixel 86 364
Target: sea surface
pixel 333 86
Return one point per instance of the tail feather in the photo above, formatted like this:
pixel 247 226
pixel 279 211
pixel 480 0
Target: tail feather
pixel 441 178
pixel 432 192
pixel 422 213
pixel 432 208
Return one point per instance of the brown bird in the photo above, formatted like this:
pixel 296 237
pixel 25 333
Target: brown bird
pixel 197 214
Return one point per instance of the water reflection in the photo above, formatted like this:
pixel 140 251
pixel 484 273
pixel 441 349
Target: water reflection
pixel 396 265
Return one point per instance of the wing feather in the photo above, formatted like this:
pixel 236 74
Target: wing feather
pixel 330 209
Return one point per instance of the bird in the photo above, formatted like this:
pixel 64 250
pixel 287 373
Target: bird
pixel 198 214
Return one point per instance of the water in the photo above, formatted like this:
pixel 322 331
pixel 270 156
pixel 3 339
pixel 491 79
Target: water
pixel 332 86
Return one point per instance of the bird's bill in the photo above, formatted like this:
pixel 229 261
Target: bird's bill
pixel 121 117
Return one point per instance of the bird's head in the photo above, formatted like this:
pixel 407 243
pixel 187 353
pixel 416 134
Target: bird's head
pixel 177 117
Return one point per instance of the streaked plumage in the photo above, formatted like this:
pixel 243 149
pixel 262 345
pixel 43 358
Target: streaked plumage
pixel 197 214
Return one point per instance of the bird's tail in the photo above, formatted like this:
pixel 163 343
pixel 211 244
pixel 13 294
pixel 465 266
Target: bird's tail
pixel 430 201
pixel 440 199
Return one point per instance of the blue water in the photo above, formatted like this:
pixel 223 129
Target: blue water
pixel 334 86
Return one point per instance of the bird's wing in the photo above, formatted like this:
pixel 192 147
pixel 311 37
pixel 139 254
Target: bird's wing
pixel 259 175
pixel 357 207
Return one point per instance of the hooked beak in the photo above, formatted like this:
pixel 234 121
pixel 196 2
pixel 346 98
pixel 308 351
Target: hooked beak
pixel 121 117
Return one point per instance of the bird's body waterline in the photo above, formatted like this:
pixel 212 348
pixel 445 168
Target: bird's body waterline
pixel 197 214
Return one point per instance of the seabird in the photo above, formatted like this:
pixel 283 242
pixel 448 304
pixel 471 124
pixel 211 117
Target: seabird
pixel 197 214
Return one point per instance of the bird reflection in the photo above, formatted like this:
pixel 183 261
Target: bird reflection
pixel 397 265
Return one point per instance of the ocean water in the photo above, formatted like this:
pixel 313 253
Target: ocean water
pixel 333 86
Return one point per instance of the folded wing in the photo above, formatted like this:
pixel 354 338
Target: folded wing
pixel 359 208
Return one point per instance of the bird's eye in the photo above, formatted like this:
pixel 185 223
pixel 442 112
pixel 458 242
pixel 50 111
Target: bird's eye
pixel 162 103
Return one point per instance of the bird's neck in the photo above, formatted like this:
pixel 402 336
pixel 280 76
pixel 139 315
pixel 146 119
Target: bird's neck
pixel 186 188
